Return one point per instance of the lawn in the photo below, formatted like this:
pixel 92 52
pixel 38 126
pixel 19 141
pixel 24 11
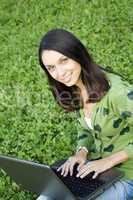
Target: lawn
pixel 32 125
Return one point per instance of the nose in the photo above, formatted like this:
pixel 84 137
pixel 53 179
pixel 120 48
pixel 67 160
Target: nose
pixel 61 73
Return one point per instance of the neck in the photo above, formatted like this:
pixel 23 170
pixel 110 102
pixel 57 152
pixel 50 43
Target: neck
pixel 80 85
pixel 83 90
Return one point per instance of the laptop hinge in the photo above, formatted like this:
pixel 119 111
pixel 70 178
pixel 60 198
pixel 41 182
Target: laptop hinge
pixel 43 197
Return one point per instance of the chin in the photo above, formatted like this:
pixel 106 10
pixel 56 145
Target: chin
pixel 69 84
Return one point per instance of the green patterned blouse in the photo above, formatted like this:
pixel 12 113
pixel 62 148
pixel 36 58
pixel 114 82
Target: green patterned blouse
pixel 112 123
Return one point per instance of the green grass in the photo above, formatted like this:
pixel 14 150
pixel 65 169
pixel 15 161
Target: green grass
pixel 32 125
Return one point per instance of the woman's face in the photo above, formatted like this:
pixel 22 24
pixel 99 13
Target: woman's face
pixel 61 68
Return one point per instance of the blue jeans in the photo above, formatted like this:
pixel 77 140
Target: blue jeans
pixel 121 190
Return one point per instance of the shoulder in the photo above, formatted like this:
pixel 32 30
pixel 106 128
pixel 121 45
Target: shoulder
pixel 118 85
pixel 120 95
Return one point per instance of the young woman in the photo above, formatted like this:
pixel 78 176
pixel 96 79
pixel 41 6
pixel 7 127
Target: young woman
pixel 103 103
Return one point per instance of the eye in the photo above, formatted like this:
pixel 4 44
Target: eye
pixel 50 67
pixel 64 59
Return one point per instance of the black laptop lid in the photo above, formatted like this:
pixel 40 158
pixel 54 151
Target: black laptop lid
pixel 36 178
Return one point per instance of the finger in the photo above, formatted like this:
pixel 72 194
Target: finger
pixel 86 173
pixel 59 168
pixel 80 166
pixel 71 168
pixel 95 175
pixel 67 167
pixel 86 165
pixel 84 169
pixel 63 168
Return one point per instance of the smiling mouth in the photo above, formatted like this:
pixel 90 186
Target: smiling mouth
pixel 68 78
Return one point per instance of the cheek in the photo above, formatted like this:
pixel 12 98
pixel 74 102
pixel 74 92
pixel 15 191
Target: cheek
pixel 74 67
pixel 53 74
pixel 77 69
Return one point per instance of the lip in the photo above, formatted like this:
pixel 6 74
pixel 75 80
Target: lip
pixel 67 78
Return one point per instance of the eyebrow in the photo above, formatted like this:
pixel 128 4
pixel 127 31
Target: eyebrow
pixel 57 61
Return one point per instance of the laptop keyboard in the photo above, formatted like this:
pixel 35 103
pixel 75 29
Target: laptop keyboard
pixel 80 187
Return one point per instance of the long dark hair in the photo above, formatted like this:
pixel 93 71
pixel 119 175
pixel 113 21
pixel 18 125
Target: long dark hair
pixel 92 75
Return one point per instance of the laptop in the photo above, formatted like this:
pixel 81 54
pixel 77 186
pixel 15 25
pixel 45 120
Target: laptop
pixel 48 183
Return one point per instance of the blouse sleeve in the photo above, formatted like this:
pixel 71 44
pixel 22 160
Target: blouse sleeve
pixel 122 105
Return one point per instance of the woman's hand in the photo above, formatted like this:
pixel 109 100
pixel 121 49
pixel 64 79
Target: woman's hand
pixel 96 166
pixel 80 158
pixel 99 166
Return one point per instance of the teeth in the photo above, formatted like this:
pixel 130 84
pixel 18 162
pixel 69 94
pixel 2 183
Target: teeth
pixel 68 78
